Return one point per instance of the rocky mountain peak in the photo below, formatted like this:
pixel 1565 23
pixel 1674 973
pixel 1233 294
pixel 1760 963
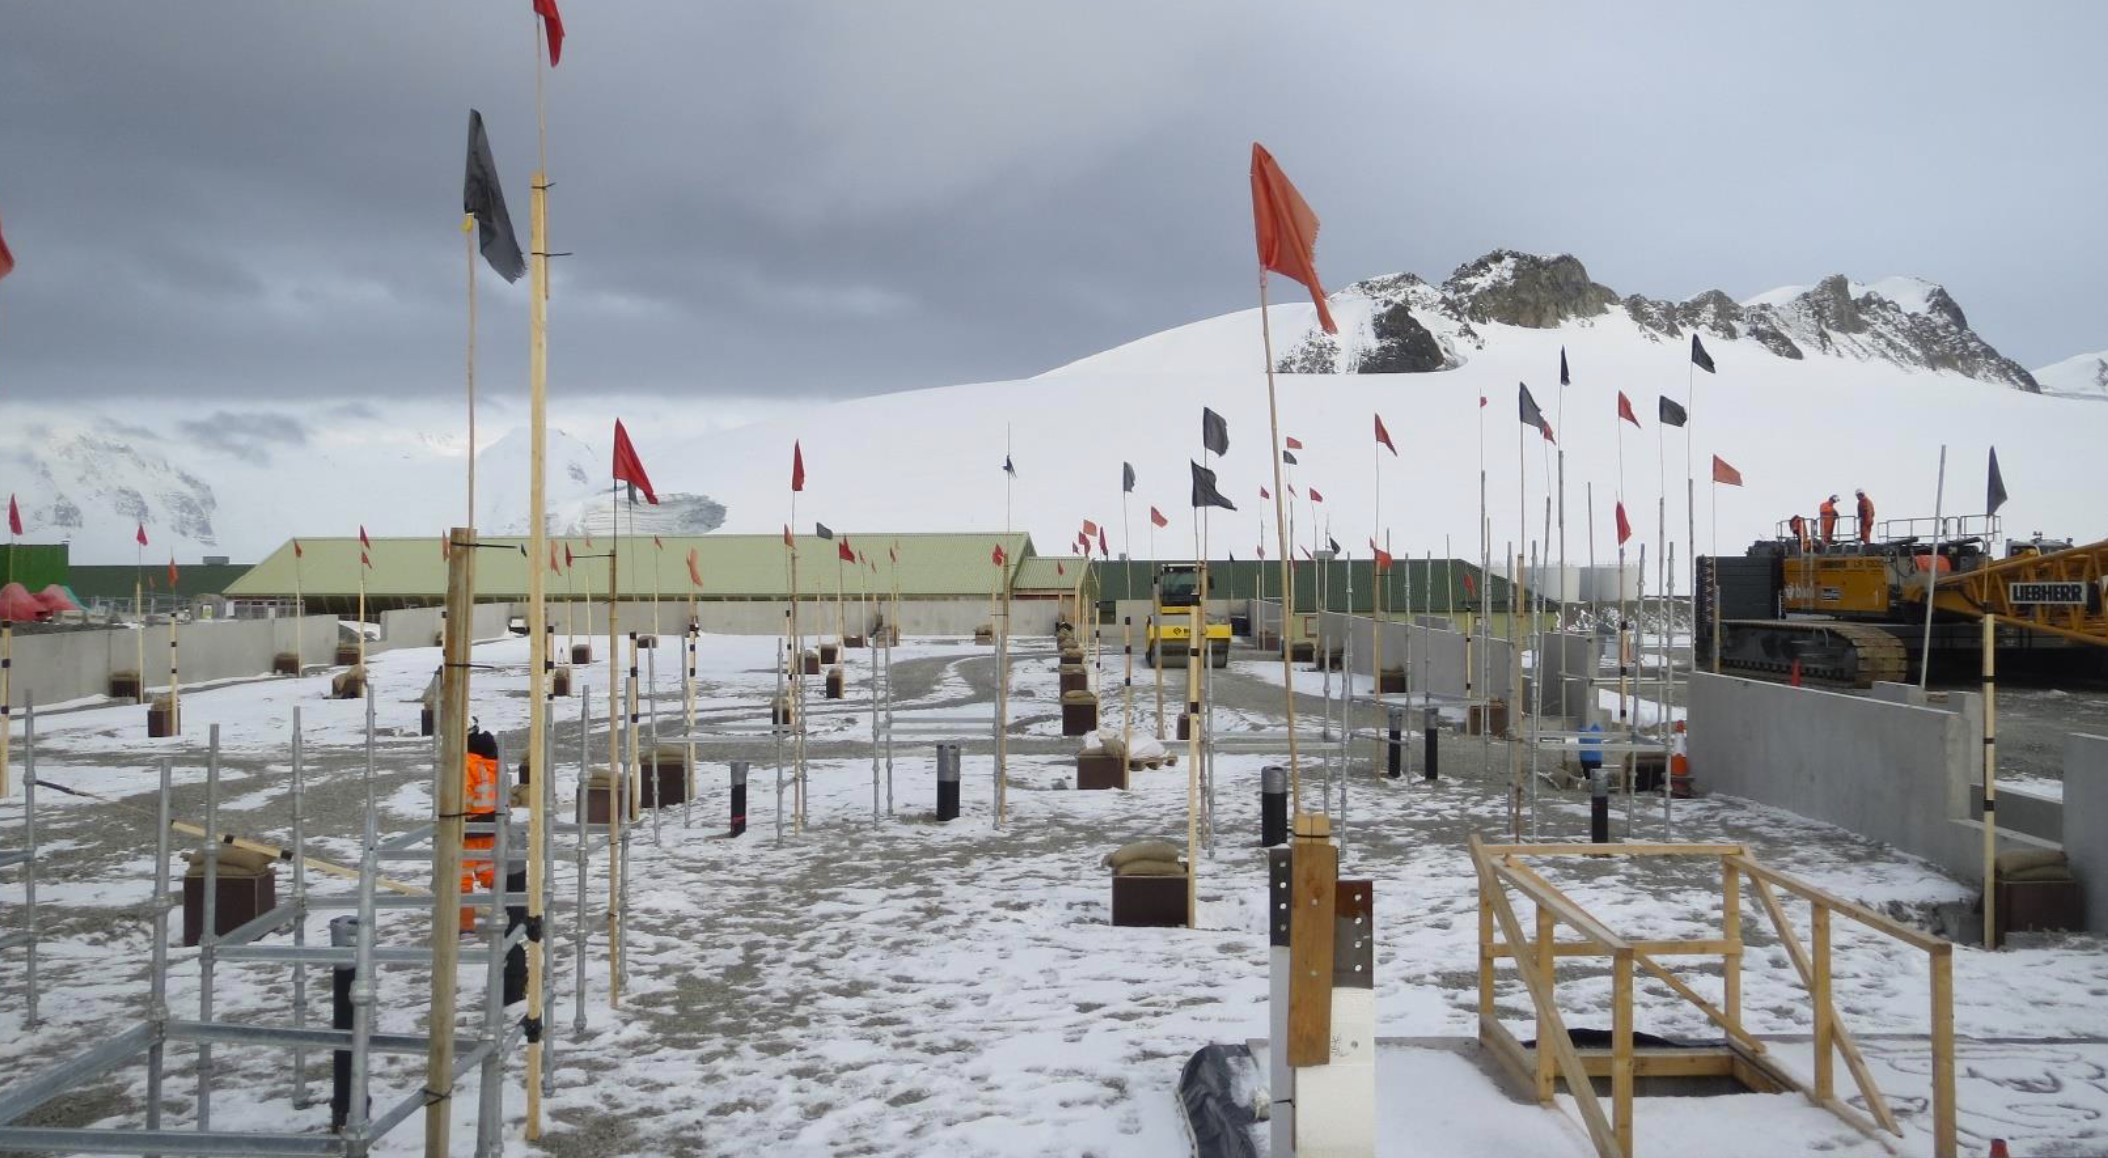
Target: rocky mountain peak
pixel 1525 289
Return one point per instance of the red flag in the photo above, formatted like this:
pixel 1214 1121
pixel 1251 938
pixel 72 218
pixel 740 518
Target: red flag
pixel 363 540
pixel 1383 557
pixel 1315 497
pixel 842 551
pixel 787 541
pixel 1103 550
pixel 1470 588
pixel 1625 411
pixel 365 560
pixel 1295 443
pixel 629 468
pixel 996 556
pixel 442 546
pixel 695 573
pixel 1291 489
pixel 1156 517
pixel 7 260
pixel 1384 436
pixel 1059 569
pixel 1286 229
pixel 553 27
pixel 657 543
pixel 1624 527
pixel 171 572
pixel 894 551
pixel 297 552
pixel 1264 493
pixel 14 517
pixel 797 469
pixel 1089 527
pixel 141 536
pixel 554 567
pixel 1723 473
pixel 1482 402
pixel 568 563
pixel 1083 543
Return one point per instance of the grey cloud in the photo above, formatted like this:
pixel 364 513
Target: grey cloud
pixel 246 435
pixel 831 199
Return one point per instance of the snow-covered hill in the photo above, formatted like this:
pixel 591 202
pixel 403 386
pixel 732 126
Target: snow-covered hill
pixel 2083 376
pixel 1818 390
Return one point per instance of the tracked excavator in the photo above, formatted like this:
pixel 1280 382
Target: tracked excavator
pixel 1852 614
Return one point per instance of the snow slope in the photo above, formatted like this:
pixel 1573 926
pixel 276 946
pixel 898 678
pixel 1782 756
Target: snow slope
pixel 2081 376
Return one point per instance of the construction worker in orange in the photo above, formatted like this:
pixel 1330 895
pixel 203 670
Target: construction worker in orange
pixel 480 803
pixel 1799 526
pixel 1866 518
pixel 1827 517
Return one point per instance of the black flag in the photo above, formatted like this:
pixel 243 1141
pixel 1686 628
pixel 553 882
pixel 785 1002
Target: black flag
pixel 1204 492
pixel 1531 416
pixel 1007 468
pixel 1699 357
pixel 483 198
pixel 1332 543
pixel 1564 379
pixel 1995 492
pixel 1214 432
pixel 1671 413
pixel 1289 457
pixel 821 530
pixel 1127 477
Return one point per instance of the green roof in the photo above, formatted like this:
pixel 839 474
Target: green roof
pixel 1055 573
pixel 732 566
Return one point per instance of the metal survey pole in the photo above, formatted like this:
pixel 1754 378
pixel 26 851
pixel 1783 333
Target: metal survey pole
pixel 300 1099
pixel 584 857
pixel 490 1108
pixel 157 977
pixel 651 707
pixel 364 985
pixel 209 932
pixel 29 867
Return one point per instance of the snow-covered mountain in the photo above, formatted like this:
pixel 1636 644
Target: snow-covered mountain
pixel 2083 376
pixel 1819 389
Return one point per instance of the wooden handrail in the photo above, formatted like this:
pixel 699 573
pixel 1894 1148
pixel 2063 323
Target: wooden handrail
pixel 1835 903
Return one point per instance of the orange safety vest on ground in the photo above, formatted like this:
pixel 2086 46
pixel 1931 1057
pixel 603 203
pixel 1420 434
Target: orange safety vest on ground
pixel 480 802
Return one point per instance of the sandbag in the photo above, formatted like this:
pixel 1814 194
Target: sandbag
pixel 1151 868
pixel 234 862
pixel 2029 864
pixel 1142 850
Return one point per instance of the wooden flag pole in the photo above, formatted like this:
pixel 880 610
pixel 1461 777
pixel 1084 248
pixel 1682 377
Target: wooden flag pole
pixel 449 811
pixel 468 239
pixel 139 613
pixel 618 775
pixel 1990 656
pixel 538 662
pixel 1288 677
pixel 797 681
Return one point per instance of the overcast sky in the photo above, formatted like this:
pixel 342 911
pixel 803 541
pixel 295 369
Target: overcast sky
pixel 261 198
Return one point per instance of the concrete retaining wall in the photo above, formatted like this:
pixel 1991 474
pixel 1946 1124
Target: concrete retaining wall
pixel 918 617
pixel 1896 772
pixel 2086 821
pixel 58 666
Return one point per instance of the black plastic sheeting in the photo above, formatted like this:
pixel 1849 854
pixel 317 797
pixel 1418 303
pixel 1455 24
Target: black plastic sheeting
pixel 1221 1126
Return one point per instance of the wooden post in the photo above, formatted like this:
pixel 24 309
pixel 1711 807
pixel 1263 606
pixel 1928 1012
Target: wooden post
pixel 1486 952
pixel 1990 649
pixel 1547 932
pixel 1315 870
pixel 1195 622
pixel 139 613
pixel 7 687
pixel 175 683
pixel 1127 713
pixel 1621 1066
pixel 1943 1137
pixel 1156 660
pixel 1825 1013
pixel 446 840
pixel 1731 932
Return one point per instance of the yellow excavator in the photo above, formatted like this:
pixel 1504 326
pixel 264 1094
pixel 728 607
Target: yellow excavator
pixel 1853 614
pixel 1171 627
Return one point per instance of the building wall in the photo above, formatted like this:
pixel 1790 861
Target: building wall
pixel 918 617
pixel 58 666
pixel 2086 821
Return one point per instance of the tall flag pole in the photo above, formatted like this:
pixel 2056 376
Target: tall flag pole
pixel 1127 528
pixel 1700 360
pixel 1624 526
pixel 547 24
pixel 1565 380
pixel 797 644
pixel 1286 232
pixel 139 603
pixel 1382 576
pixel 1518 602
pixel 1668 413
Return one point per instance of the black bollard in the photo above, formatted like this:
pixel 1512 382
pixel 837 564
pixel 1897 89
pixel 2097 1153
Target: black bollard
pixel 1430 730
pixel 1273 805
pixel 947 781
pixel 515 957
pixel 1598 806
pixel 343 934
pixel 739 797
pixel 1394 765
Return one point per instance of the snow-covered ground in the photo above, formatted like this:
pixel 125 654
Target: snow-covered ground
pixel 897 986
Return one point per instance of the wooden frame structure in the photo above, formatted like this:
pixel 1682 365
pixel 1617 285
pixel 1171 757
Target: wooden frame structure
pixel 1503 867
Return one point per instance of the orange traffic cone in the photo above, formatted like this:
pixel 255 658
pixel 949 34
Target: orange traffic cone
pixel 1998 1149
